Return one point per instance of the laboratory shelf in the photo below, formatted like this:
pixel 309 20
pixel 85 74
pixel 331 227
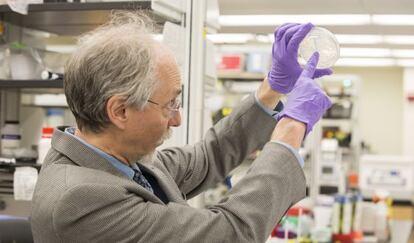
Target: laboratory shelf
pixel 31 83
pixel 73 18
pixel 20 164
pixel 62 6
pixel 241 76
pixel 337 122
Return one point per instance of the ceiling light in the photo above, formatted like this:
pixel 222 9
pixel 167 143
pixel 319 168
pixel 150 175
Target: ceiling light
pixel 400 19
pixel 399 39
pixel 365 62
pixel 245 48
pixel 359 39
pixel 365 52
pixel 231 38
pixel 264 38
pixel 275 20
pixel 405 62
pixel 403 53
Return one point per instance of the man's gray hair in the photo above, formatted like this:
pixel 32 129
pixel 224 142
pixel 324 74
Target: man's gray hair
pixel 117 58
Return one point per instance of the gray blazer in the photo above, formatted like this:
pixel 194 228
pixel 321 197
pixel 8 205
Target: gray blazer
pixel 81 197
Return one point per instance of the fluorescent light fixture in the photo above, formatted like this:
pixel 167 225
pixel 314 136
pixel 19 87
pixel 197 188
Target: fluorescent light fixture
pixel 405 62
pixel 365 62
pixel 265 38
pixel 408 53
pixel 246 48
pixel 231 38
pixel 399 39
pixel 359 39
pixel 400 19
pixel 365 52
pixel 275 20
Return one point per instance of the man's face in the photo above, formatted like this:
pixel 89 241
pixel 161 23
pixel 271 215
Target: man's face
pixel 150 127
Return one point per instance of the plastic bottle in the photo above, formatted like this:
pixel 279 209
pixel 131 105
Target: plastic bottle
pixel 357 218
pixel 347 216
pixel 357 199
pixel 54 117
pixel 45 143
pixel 10 138
pixel 336 214
pixel 381 221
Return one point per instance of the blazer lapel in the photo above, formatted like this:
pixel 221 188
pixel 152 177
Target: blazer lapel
pixel 80 154
pixel 84 156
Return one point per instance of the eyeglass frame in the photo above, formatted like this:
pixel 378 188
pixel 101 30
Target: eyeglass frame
pixel 172 110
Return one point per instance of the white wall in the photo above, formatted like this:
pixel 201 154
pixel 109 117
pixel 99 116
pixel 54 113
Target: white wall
pixel 381 107
pixel 408 118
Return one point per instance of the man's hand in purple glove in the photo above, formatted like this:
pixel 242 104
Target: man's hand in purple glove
pixel 285 67
pixel 307 101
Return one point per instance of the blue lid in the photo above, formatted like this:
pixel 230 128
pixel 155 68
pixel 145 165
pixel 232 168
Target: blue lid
pixel 340 199
pixel 55 112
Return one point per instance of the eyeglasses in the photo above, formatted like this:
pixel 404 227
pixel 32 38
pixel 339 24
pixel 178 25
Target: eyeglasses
pixel 173 106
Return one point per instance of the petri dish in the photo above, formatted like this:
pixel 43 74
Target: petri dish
pixel 323 41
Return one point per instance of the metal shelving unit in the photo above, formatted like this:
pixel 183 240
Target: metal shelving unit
pixel 241 76
pixel 63 6
pixel 74 18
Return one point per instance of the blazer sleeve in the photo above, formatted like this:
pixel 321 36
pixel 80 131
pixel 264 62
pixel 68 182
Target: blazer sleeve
pixel 100 213
pixel 201 166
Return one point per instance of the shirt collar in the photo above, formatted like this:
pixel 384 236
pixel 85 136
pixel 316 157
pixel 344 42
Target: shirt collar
pixel 128 171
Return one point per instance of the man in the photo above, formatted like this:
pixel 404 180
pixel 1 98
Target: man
pixel 123 89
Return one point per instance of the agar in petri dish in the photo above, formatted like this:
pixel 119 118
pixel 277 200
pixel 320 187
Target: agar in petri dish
pixel 323 41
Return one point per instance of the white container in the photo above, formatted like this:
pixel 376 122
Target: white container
pixel 45 144
pixel 10 138
pixel 4 62
pixel 23 66
pixel 24 182
pixel 381 221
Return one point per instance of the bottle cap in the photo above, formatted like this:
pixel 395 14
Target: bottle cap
pixel 55 112
pixel 47 130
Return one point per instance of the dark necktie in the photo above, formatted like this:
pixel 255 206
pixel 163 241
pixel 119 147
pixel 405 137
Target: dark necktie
pixel 141 180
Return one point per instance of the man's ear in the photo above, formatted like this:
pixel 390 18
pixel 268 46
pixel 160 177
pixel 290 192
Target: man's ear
pixel 116 110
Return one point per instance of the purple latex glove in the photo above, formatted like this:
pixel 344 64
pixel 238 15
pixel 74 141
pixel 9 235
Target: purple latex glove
pixel 285 68
pixel 307 101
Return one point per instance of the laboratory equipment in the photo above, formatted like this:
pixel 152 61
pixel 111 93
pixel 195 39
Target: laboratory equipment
pixel 331 171
pixel 322 41
pixel 10 138
pixel 385 172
